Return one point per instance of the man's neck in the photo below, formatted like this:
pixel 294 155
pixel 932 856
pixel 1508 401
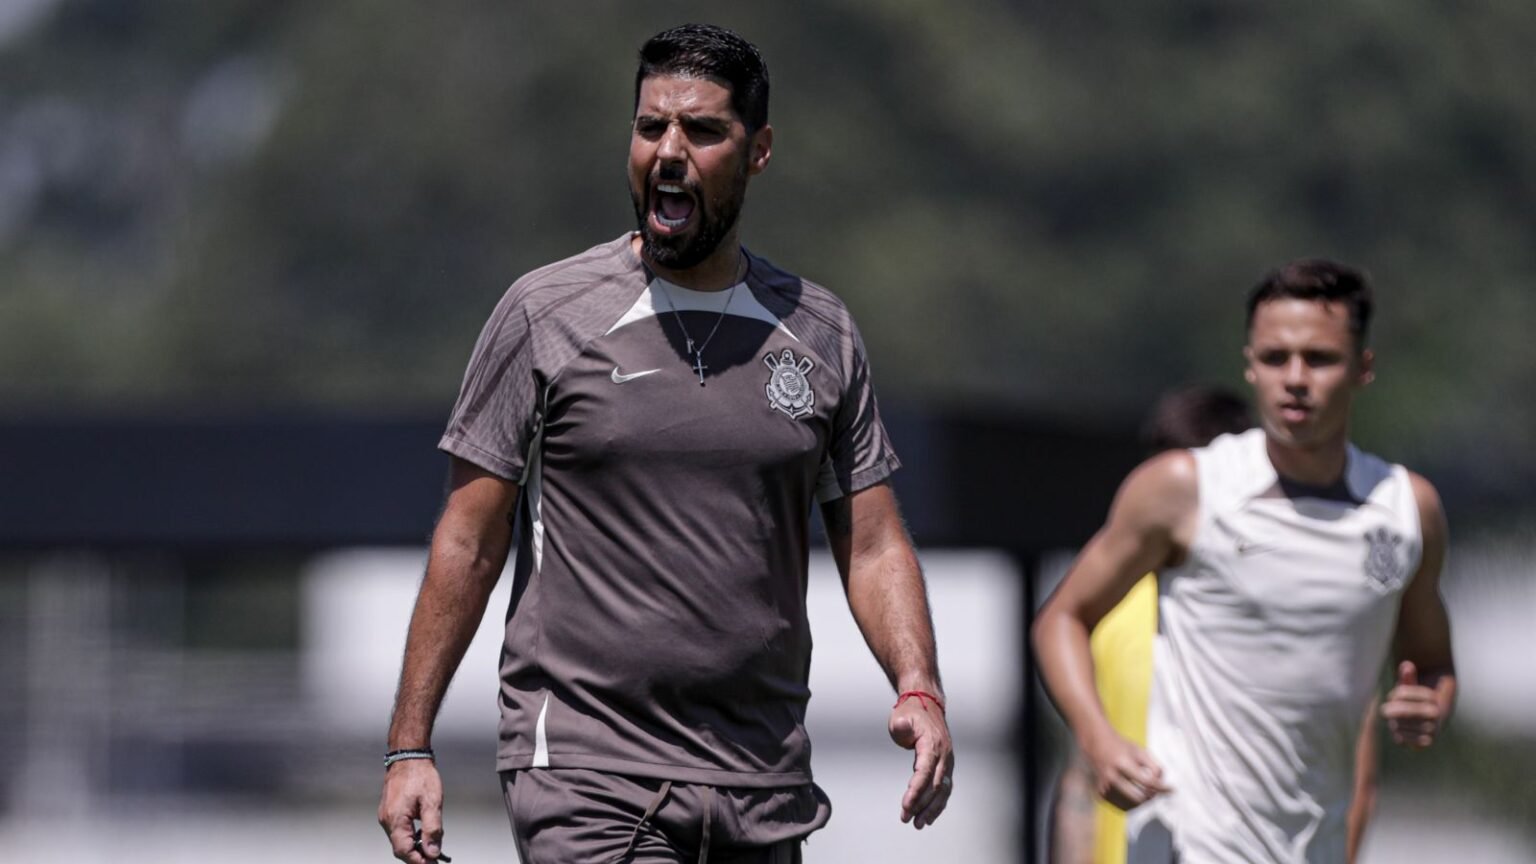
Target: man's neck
pixel 723 268
pixel 1319 466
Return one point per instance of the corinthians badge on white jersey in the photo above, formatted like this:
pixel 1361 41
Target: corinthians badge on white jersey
pixel 1386 564
pixel 788 388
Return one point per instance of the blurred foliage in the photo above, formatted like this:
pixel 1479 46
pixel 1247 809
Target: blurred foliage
pixel 1046 207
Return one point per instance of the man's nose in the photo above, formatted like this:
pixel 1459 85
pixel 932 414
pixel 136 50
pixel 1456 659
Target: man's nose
pixel 670 148
pixel 1296 373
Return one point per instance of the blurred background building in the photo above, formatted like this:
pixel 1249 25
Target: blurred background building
pixel 245 248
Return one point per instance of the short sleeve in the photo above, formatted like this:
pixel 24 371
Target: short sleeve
pixel 495 418
pixel 860 454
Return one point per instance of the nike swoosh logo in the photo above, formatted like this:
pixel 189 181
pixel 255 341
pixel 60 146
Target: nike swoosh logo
pixel 620 378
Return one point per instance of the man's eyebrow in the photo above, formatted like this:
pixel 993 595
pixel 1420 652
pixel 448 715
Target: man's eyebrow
pixel 714 120
pixel 710 120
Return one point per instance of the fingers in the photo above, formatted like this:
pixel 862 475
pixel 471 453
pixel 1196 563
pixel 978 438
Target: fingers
pixel 1131 778
pixel 1417 735
pixel 1407 674
pixel 402 841
pixel 431 836
pixel 1413 724
pixel 412 792
pixel 931 785
pixel 924 783
pixel 1415 739
pixel 1412 712
pixel 397 818
pixel 1127 793
pixel 1410 708
pixel 1149 774
pixel 937 803
pixel 928 792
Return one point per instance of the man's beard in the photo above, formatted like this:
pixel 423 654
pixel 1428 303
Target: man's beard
pixel 715 220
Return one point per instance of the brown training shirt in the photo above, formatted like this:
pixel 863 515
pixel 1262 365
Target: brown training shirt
pixel 657 625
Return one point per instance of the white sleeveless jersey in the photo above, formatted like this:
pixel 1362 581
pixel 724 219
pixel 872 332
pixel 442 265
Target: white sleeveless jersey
pixel 1271 639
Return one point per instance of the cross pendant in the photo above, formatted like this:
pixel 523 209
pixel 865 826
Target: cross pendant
pixel 699 367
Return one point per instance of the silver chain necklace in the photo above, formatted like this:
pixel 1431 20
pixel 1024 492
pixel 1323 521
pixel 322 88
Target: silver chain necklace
pixel 698 352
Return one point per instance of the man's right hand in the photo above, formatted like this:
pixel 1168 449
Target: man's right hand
pixel 413 791
pixel 469 550
pixel 1124 775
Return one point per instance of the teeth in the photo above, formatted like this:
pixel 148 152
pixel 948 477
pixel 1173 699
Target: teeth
pixel 669 189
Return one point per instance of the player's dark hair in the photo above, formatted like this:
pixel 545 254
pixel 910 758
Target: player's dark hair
pixel 707 51
pixel 1319 279
pixel 1192 416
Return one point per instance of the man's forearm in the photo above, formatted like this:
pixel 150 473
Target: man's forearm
pixel 461 571
pixel 890 603
pixel 1066 665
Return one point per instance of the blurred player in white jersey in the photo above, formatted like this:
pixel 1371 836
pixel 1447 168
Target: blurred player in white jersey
pixel 1291 565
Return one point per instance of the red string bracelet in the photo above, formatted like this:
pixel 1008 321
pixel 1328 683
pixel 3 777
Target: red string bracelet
pixel 923 697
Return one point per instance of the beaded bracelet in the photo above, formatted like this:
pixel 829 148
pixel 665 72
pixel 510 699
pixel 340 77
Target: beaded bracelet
pixel 394 756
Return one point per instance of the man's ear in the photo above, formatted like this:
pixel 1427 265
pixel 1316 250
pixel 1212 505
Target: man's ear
pixel 1367 367
pixel 761 150
pixel 1248 374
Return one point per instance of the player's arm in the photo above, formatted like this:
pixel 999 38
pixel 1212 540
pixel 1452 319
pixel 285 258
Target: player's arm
pixel 469 549
pixel 1420 703
pixel 1153 509
pixel 889 601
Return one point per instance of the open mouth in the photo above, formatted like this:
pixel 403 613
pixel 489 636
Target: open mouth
pixel 672 207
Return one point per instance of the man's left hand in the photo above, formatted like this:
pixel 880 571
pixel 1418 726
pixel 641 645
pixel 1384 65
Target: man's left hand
pixel 1412 710
pixel 919 725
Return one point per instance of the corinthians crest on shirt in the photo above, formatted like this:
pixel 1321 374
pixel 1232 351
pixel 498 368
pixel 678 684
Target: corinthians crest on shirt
pixel 1386 560
pixel 789 390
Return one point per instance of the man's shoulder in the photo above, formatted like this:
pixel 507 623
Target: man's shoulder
pixel 1234 467
pixel 601 264
pixel 1423 490
pixel 793 297
pixel 1236 448
pixel 1172 472
pixel 1427 498
pixel 1163 490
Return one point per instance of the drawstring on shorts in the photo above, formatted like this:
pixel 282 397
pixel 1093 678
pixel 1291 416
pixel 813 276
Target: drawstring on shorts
pixel 655 805
pixel 650 810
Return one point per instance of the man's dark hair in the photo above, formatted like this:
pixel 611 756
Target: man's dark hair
pixel 1192 416
pixel 1319 279
pixel 707 51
